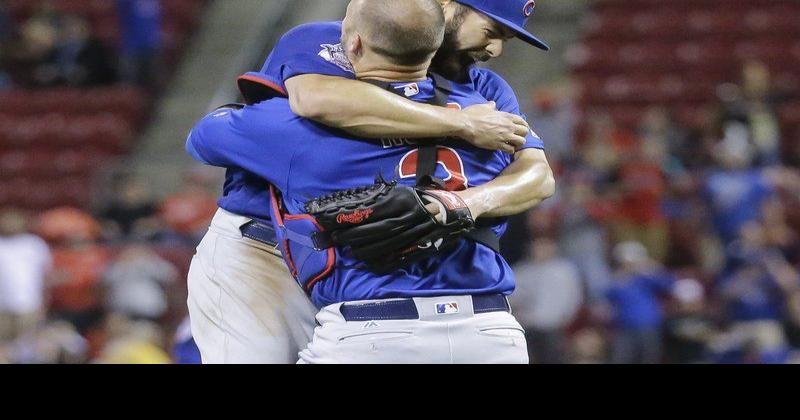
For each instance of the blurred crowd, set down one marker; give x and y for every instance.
(669, 242)
(51, 48)
(107, 287)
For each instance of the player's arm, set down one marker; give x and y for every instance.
(368, 111)
(521, 186)
(528, 180)
(225, 138)
(320, 87)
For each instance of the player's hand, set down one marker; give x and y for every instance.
(490, 129)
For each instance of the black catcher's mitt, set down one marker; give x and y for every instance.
(387, 225)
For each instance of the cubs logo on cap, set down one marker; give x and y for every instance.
(507, 13)
(529, 7)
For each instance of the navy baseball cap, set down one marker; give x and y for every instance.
(513, 14)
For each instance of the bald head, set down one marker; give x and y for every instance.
(405, 32)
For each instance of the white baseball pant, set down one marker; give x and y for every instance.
(454, 338)
(244, 305)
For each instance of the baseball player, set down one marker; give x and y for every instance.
(244, 305)
(444, 299)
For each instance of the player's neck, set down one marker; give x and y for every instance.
(393, 76)
(389, 72)
(451, 67)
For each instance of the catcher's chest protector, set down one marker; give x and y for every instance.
(308, 259)
(306, 250)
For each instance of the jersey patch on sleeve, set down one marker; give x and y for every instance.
(334, 54)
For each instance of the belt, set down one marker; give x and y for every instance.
(407, 309)
(261, 232)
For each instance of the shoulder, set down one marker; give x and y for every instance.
(484, 78)
(494, 88)
(313, 32)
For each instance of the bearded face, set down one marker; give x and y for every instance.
(470, 37)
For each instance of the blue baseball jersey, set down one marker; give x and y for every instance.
(305, 160)
(315, 48)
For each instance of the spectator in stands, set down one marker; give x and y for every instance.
(30, 60)
(132, 342)
(553, 116)
(582, 236)
(639, 189)
(184, 349)
(751, 111)
(131, 211)
(188, 212)
(778, 233)
(25, 261)
(55, 342)
(136, 284)
(547, 299)
(636, 311)
(588, 346)
(754, 290)
(663, 141)
(80, 58)
(141, 40)
(58, 225)
(604, 145)
(734, 191)
(79, 263)
(688, 331)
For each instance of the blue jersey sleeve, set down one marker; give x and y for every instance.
(494, 88)
(313, 48)
(246, 139)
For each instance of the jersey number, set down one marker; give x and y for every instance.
(448, 158)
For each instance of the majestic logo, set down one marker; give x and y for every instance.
(354, 218)
(409, 90)
(529, 7)
(447, 308)
(334, 54)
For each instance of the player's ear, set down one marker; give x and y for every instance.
(355, 47)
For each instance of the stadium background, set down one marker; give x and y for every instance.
(673, 127)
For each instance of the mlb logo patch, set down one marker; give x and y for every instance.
(410, 89)
(447, 308)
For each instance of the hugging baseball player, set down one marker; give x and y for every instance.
(404, 268)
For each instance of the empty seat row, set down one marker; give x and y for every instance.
(181, 11)
(103, 130)
(660, 26)
(45, 193)
(128, 104)
(46, 163)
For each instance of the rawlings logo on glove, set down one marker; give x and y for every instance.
(354, 218)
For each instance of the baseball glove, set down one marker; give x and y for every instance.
(387, 225)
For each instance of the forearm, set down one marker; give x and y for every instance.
(368, 111)
(521, 186)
